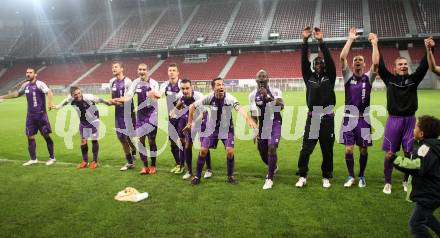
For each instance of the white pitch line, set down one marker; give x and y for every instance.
(4, 160)
(293, 176)
(44, 162)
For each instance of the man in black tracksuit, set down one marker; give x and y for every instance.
(424, 170)
(321, 100)
(402, 104)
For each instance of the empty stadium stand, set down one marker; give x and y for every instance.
(131, 33)
(64, 73)
(65, 40)
(216, 13)
(99, 32)
(104, 72)
(426, 15)
(168, 27)
(289, 25)
(14, 72)
(277, 64)
(8, 37)
(388, 18)
(249, 23)
(194, 71)
(416, 54)
(174, 25)
(34, 39)
(338, 16)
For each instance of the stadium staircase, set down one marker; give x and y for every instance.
(426, 16)
(84, 33)
(366, 17)
(228, 66)
(318, 10)
(412, 27)
(217, 13)
(55, 40)
(185, 26)
(78, 80)
(116, 31)
(269, 21)
(156, 66)
(231, 21)
(147, 33)
(249, 24)
(3, 71)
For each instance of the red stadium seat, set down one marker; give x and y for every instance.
(278, 65)
(64, 74)
(103, 73)
(14, 72)
(194, 71)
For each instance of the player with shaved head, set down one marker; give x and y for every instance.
(321, 100)
(356, 127)
(401, 105)
(266, 104)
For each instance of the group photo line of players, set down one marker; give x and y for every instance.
(190, 113)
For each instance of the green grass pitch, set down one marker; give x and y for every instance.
(61, 201)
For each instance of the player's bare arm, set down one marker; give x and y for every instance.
(251, 123)
(344, 53)
(372, 38)
(50, 100)
(179, 106)
(11, 95)
(429, 44)
(192, 109)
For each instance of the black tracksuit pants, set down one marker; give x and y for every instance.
(324, 132)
